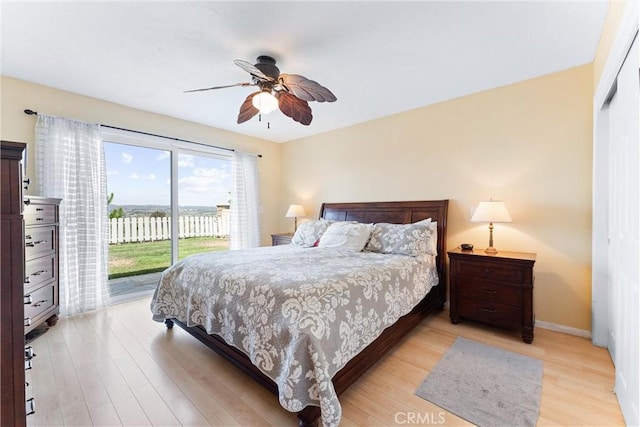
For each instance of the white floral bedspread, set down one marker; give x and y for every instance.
(300, 314)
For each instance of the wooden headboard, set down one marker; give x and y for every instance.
(396, 213)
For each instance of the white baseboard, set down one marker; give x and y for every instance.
(564, 329)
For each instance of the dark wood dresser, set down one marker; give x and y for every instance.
(41, 286)
(496, 289)
(12, 344)
(281, 239)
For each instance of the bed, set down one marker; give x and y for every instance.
(263, 319)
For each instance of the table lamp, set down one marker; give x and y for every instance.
(295, 212)
(491, 211)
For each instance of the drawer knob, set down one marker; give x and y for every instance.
(39, 303)
(489, 310)
(27, 183)
(27, 202)
(27, 321)
(488, 291)
(27, 299)
(27, 280)
(33, 244)
(39, 272)
(27, 365)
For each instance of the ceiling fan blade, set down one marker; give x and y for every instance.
(247, 110)
(253, 70)
(306, 89)
(294, 107)
(219, 87)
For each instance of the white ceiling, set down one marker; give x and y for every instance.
(378, 58)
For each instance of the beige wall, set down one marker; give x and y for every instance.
(18, 95)
(528, 144)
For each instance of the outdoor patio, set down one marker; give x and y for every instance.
(131, 287)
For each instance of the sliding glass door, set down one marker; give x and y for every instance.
(167, 201)
(204, 189)
(139, 202)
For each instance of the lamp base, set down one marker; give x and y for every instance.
(491, 250)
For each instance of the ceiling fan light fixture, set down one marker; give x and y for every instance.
(265, 102)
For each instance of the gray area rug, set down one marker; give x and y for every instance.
(485, 385)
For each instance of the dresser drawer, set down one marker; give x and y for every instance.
(492, 271)
(38, 214)
(489, 291)
(490, 312)
(39, 301)
(39, 270)
(39, 241)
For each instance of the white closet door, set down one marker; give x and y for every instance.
(624, 235)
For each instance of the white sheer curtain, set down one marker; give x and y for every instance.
(71, 167)
(245, 221)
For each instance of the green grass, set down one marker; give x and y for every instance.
(131, 259)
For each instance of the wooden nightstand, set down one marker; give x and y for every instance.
(281, 239)
(495, 289)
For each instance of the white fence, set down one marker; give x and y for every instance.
(148, 229)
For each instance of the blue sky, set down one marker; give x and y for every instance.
(141, 176)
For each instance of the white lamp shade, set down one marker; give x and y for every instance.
(295, 211)
(493, 211)
(265, 102)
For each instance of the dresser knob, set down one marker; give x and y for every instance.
(27, 299)
(28, 353)
(27, 321)
(27, 202)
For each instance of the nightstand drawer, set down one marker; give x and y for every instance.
(490, 291)
(281, 239)
(490, 271)
(489, 312)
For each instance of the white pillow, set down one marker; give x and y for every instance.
(308, 234)
(349, 235)
(432, 241)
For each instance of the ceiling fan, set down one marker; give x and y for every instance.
(289, 92)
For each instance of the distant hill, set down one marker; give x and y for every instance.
(146, 210)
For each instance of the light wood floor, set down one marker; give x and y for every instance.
(118, 367)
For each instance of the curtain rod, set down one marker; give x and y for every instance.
(35, 113)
